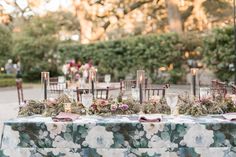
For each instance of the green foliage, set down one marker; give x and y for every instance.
(218, 8)
(36, 47)
(6, 82)
(5, 44)
(125, 56)
(3, 75)
(219, 52)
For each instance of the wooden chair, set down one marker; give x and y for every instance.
(218, 88)
(149, 92)
(79, 92)
(99, 93)
(19, 91)
(55, 87)
(233, 88)
(129, 84)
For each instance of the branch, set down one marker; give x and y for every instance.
(185, 14)
(126, 11)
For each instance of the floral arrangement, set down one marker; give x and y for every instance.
(74, 70)
(186, 105)
(111, 107)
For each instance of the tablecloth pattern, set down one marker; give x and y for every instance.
(95, 136)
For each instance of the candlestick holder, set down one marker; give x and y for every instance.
(92, 78)
(140, 82)
(194, 79)
(45, 82)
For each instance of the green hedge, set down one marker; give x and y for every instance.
(6, 82)
(3, 75)
(125, 56)
(219, 52)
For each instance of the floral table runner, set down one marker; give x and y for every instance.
(119, 136)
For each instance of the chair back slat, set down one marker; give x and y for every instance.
(79, 93)
(55, 87)
(127, 85)
(153, 91)
(99, 93)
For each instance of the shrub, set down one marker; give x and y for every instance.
(3, 75)
(7, 82)
(125, 56)
(219, 52)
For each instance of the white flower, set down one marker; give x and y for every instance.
(16, 152)
(198, 136)
(157, 142)
(43, 134)
(152, 128)
(98, 137)
(60, 142)
(11, 138)
(55, 129)
(216, 152)
(111, 152)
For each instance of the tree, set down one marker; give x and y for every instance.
(219, 53)
(5, 44)
(36, 46)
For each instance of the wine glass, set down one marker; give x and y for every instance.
(87, 101)
(107, 79)
(135, 93)
(172, 100)
(204, 92)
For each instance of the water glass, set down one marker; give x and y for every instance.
(87, 101)
(205, 92)
(172, 100)
(107, 78)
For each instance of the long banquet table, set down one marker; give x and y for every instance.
(119, 136)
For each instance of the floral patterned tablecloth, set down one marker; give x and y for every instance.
(121, 136)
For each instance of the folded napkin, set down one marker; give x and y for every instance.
(150, 118)
(65, 117)
(230, 116)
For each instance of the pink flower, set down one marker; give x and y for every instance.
(123, 107)
(113, 107)
(77, 76)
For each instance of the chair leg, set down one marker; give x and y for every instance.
(18, 94)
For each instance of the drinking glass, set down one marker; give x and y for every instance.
(107, 79)
(70, 93)
(204, 92)
(135, 93)
(172, 100)
(87, 101)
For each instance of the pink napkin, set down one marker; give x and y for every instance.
(230, 116)
(65, 117)
(150, 118)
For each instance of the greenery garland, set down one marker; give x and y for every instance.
(186, 105)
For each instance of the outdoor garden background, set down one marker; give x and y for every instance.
(120, 36)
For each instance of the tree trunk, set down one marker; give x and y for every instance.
(174, 18)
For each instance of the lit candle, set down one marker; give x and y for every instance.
(92, 77)
(140, 89)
